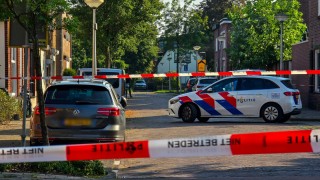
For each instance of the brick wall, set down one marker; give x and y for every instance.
(7, 56)
(300, 61)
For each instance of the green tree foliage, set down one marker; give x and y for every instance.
(215, 10)
(9, 106)
(33, 15)
(73, 168)
(126, 32)
(69, 72)
(255, 38)
(183, 26)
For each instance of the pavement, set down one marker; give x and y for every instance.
(307, 115)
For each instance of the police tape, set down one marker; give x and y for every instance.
(297, 141)
(172, 74)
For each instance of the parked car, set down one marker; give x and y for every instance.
(117, 83)
(140, 84)
(81, 111)
(270, 97)
(203, 82)
(190, 84)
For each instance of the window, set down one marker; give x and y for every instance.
(226, 85)
(288, 84)
(79, 94)
(256, 84)
(317, 67)
(318, 7)
(13, 55)
(113, 81)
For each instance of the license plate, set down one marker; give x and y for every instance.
(77, 122)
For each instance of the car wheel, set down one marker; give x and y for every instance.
(271, 113)
(203, 119)
(285, 118)
(189, 113)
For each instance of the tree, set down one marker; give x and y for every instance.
(255, 32)
(126, 28)
(37, 14)
(182, 28)
(214, 10)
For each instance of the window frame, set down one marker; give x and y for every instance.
(316, 67)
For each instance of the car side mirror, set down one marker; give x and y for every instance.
(123, 101)
(210, 90)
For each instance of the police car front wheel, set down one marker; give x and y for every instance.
(189, 113)
(271, 113)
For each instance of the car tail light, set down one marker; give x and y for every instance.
(109, 111)
(47, 110)
(199, 86)
(291, 93)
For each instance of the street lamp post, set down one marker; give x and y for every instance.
(281, 17)
(196, 48)
(94, 4)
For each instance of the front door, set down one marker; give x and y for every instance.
(224, 98)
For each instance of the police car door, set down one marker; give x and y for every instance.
(251, 95)
(224, 94)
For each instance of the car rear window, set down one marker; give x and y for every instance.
(78, 94)
(207, 81)
(288, 84)
(140, 81)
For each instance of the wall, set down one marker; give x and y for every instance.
(300, 61)
(2, 54)
(166, 66)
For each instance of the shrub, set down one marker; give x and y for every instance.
(73, 168)
(9, 106)
(69, 72)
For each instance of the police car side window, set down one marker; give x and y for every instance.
(251, 84)
(269, 84)
(226, 85)
(256, 84)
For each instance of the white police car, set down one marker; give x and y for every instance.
(270, 97)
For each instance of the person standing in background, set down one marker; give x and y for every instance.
(128, 87)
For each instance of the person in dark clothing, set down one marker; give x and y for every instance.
(128, 87)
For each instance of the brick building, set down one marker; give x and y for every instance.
(55, 57)
(306, 55)
(222, 42)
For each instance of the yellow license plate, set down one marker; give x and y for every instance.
(77, 122)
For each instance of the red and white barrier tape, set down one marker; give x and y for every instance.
(195, 74)
(299, 141)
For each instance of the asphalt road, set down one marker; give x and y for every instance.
(147, 119)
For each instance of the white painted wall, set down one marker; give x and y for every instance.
(2, 56)
(167, 65)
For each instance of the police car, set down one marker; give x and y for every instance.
(270, 97)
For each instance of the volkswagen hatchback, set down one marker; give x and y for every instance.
(272, 98)
(80, 111)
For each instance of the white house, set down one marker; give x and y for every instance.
(188, 63)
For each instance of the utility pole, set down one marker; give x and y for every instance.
(177, 82)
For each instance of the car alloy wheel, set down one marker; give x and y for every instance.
(188, 113)
(271, 113)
